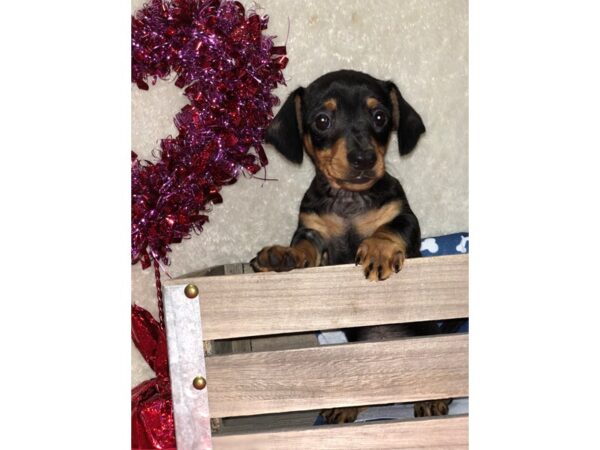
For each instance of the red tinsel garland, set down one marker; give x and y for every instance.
(227, 69)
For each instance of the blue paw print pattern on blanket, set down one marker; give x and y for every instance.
(449, 244)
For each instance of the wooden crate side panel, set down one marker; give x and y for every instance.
(356, 374)
(445, 433)
(331, 297)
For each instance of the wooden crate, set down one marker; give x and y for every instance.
(245, 383)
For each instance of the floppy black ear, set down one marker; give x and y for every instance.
(285, 130)
(407, 121)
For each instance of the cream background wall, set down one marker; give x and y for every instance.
(422, 45)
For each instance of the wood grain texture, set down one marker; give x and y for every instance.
(443, 433)
(363, 373)
(285, 342)
(330, 297)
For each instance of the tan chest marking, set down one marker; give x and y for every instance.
(366, 224)
(327, 225)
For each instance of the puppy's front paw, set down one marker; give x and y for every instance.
(278, 259)
(380, 257)
(432, 408)
(341, 415)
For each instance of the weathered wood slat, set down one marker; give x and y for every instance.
(330, 297)
(444, 433)
(402, 370)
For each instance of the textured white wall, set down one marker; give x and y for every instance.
(422, 45)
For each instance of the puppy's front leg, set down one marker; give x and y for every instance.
(306, 250)
(384, 252)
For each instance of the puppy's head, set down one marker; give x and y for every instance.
(344, 121)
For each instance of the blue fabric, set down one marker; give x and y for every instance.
(464, 328)
(449, 244)
(320, 420)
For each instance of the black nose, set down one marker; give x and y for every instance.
(362, 160)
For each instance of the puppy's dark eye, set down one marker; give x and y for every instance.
(379, 118)
(322, 122)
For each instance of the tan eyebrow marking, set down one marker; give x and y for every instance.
(330, 104)
(372, 102)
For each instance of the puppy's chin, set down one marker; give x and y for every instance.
(356, 187)
(358, 182)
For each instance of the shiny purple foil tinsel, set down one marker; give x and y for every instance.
(227, 69)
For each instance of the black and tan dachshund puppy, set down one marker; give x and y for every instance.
(353, 211)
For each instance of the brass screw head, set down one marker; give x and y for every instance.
(199, 383)
(191, 291)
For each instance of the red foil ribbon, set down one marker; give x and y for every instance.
(152, 422)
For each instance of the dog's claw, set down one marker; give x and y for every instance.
(380, 258)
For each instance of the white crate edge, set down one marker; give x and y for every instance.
(186, 361)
